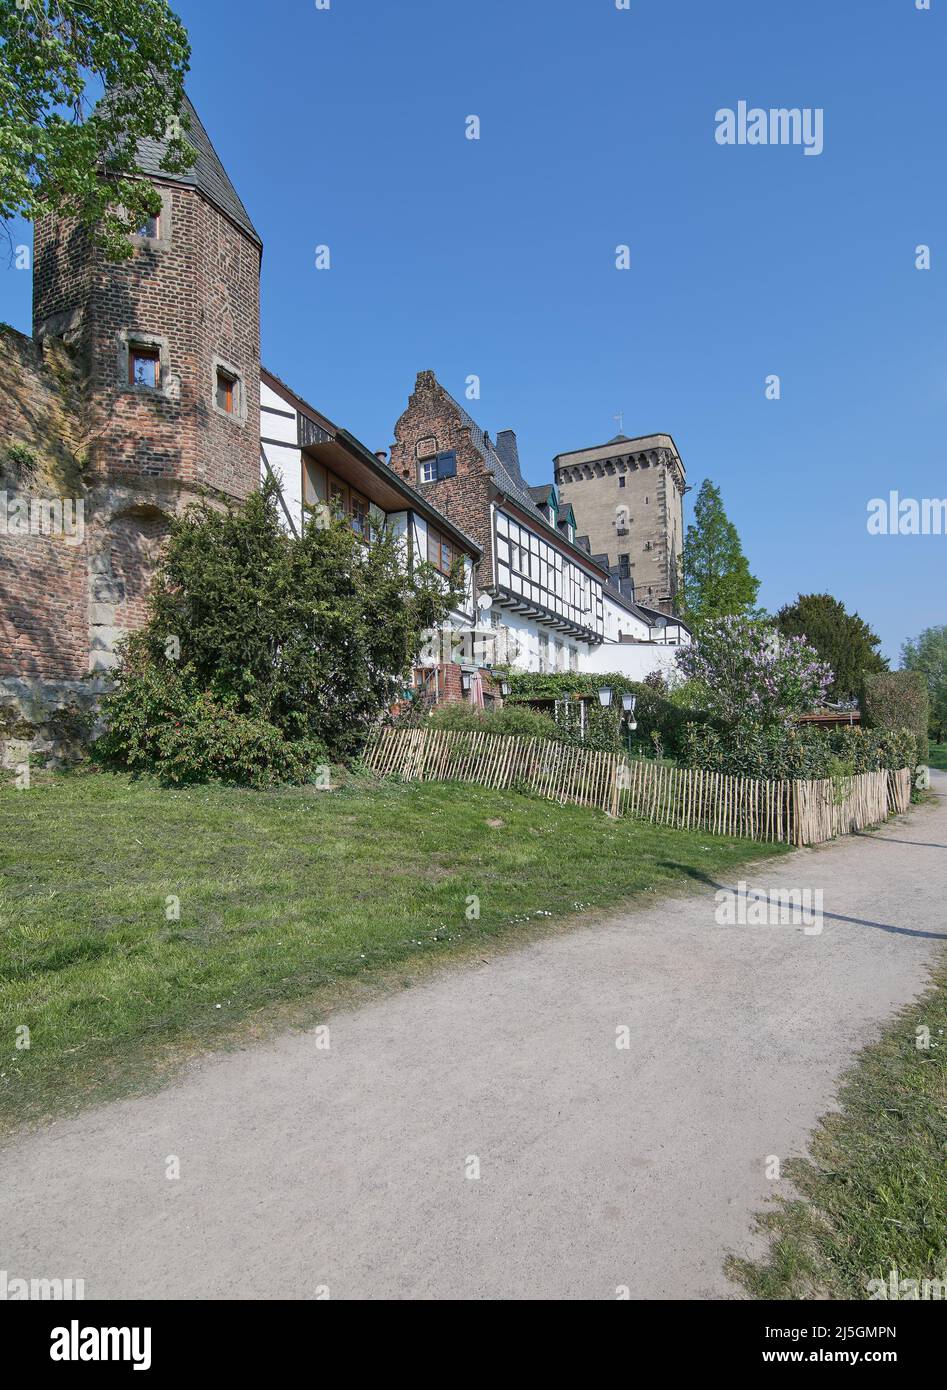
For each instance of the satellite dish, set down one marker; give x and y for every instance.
(484, 602)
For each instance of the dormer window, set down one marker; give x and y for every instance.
(144, 365)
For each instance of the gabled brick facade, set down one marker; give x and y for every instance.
(433, 419)
(545, 593)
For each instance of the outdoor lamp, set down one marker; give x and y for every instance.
(628, 702)
(504, 688)
(465, 682)
(605, 696)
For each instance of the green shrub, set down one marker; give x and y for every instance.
(896, 700)
(158, 723)
(802, 750)
(657, 714)
(601, 731)
(22, 461)
(510, 720)
(276, 644)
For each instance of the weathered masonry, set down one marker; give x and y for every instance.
(138, 394)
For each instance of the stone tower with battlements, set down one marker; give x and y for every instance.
(627, 496)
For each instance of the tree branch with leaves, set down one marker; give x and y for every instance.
(63, 149)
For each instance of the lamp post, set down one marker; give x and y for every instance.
(628, 702)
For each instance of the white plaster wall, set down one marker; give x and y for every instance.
(284, 459)
(631, 659)
(619, 620)
(276, 426)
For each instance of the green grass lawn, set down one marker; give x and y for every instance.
(938, 756)
(874, 1197)
(285, 898)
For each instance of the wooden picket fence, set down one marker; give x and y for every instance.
(545, 767)
(828, 807)
(801, 812)
(899, 791)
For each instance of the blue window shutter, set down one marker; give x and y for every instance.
(447, 465)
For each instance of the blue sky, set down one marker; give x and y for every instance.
(496, 257)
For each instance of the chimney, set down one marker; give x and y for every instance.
(508, 451)
(381, 455)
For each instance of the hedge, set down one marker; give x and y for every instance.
(658, 717)
(899, 700)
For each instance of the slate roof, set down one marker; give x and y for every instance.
(651, 617)
(208, 175)
(659, 619)
(505, 470)
(502, 460)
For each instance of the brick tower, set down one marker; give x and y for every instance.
(165, 356)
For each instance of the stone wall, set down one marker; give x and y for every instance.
(43, 620)
(44, 630)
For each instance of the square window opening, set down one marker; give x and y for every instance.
(226, 393)
(144, 366)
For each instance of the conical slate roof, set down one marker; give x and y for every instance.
(208, 175)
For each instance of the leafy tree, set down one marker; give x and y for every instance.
(842, 639)
(896, 700)
(716, 575)
(62, 152)
(752, 677)
(928, 654)
(309, 639)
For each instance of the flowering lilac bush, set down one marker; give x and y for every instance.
(751, 676)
